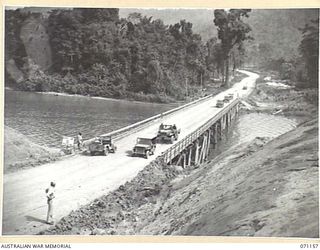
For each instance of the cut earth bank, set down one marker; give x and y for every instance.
(259, 188)
(20, 152)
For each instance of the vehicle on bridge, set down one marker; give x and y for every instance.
(102, 145)
(228, 97)
(168, 133)
(220, 104)
(144, 147)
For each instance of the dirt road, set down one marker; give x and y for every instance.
(81, 179)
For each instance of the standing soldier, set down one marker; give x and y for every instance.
(79, 140)
(50, 196)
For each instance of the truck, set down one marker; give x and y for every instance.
(228, 97)
(168, 133)
(67, 145)
(102, 145)
(144, 147)
(220, 104)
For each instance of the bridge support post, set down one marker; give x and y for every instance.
(189, 156)
(208, 143)
(203, 148)
(196, 158)
(220, 130)
(184, 160)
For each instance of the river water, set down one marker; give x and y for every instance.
(46, 118)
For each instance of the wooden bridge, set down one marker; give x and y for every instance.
(195, 147)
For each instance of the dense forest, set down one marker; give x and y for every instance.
(98, 53)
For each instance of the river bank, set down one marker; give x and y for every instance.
(263, 187)
(21, 153)
(273, 97)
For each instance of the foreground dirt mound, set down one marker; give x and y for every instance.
(20, 152)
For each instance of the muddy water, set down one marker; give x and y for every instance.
(46, 118)
(249, 126)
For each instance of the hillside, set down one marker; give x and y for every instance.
(160, 55)
(202, 19)
(277, 29)
(276, 33)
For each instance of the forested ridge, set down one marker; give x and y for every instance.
(98, 53)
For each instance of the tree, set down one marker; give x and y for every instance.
(232, 31)
(309, 49)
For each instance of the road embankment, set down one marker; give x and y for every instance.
(261, 187)
(20, 152)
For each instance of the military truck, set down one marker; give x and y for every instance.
(220, 104)
(168, 133)
(228, 97)
(102, 145)
(144, 147)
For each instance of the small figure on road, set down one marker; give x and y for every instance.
(79, 140)
(50, 192)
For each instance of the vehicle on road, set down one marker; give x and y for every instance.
(228, 97)
(220, 104)
(67, 145)
(144, 147)
(168, 133)
(245, 87)
(102, 145)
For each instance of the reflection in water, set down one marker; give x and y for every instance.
(45, 118)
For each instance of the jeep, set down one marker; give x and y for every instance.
(144, 147)
(168, 133)
(219, 104)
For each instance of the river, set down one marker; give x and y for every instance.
(46, 118)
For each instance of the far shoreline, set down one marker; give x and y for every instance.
(51, 93)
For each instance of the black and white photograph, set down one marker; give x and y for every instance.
(160, 122)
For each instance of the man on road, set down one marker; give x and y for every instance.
(50, 196)
(79, 140)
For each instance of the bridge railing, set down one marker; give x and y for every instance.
(177, 148)
(122, 132)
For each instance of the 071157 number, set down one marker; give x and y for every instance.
(313, 246)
